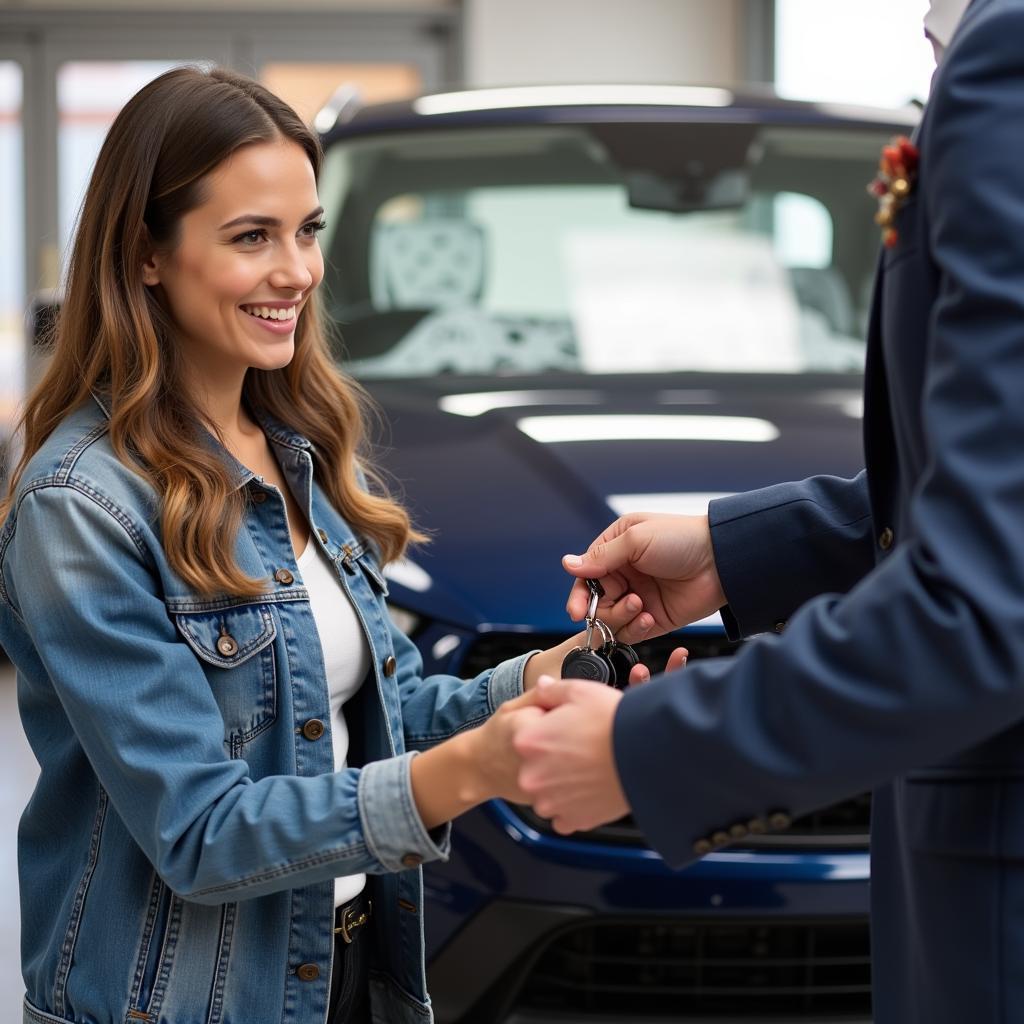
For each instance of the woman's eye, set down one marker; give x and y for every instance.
(314, 228)
(250, 237)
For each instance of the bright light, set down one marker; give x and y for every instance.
(683, 503)
(572, 95)
(560, 429)
(409, 574)
(872, 51)
(479, 402)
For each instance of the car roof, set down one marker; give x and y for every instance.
(585, 104)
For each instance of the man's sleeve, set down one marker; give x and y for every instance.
(778, 547)
(924, 658)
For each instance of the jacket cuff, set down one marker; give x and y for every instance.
(395, 833)
(506, 680)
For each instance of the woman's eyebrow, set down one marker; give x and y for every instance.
(266, 222)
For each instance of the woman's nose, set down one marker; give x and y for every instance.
(292, 270)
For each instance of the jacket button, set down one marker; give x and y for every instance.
(284, 576)
(780, 626)
(757, 826)
(412, 860)
(322, 534)
(701, 847)
(779, 821)
(885, 539)
(313, 729)
(308, 972)
(258, 497)
(227, 646)
(390, 665)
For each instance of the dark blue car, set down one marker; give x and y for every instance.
(572, 302)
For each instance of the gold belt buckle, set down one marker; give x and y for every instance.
(351, 920)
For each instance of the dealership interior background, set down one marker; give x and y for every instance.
(66, 67)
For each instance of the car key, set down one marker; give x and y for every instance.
(587, 662)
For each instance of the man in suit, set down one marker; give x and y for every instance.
(897, 597)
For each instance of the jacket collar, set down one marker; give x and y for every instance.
(277, 433)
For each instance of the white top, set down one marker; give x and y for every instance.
(941, 22)
(346, 662)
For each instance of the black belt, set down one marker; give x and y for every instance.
(351, 916)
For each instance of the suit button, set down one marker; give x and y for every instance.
(313, 729)
(757, 826)
(412, 860)
(308, 972)
(258, 496)
(390, 665)
(719, 839)
(227, 646)
(778, 821)
(885, 539)
(284, 576)
(780, 626)
(738, 831)
(701, 847)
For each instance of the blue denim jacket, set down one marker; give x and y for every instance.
(178, 854)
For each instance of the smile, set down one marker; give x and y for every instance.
(271, 312)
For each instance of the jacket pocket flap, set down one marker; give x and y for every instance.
(230, 636)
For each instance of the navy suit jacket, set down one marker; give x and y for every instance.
(900, 666)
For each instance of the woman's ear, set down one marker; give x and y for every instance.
(152, 263)
(150, 271)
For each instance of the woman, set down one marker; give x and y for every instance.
(241, 766)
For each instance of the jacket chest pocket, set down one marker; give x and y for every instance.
(236, 648)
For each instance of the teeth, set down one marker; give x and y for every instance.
(267, 313)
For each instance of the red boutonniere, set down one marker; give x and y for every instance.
(897, 175)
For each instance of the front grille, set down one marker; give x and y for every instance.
(840, 826)
(678, 970)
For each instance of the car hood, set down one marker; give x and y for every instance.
(500, 479)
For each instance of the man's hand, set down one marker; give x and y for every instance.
(568, 771)
(667, 561)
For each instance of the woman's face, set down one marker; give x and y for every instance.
(246, 262)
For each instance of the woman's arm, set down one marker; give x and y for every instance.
(83, 615)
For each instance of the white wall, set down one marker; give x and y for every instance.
(511, 42)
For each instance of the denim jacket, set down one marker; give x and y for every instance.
(178, 854)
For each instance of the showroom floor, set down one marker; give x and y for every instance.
(18, 771)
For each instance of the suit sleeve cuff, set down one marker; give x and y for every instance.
(395, 833)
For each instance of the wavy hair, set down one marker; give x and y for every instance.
(113, 336)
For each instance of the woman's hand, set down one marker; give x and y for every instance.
(494, 755)
(624, 616)
(472, 766)
(676, 660)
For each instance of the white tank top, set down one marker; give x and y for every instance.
(346, 661)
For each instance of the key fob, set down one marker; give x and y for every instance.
(584, 664)
(622, 658)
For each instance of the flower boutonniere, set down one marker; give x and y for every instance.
(897, 175)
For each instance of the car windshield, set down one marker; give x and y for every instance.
(610, 248)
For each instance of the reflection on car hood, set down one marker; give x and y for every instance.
(509, 480)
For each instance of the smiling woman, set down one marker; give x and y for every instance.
(192, 591)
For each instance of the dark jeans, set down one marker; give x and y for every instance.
(350, 989)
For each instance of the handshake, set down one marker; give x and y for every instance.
(552, 747)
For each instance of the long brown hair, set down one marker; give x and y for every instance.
(114, 336)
